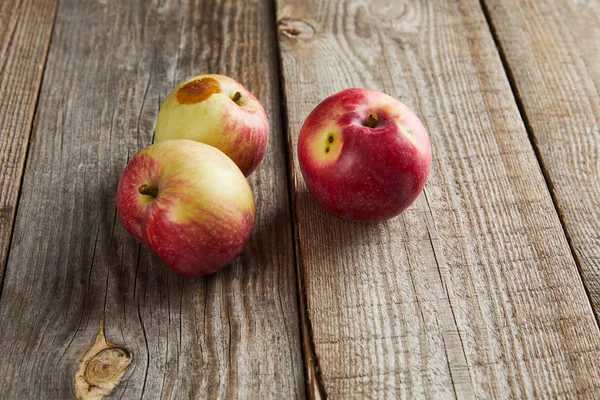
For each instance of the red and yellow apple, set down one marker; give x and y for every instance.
(364, 155)
(187, 202)
(216, 110)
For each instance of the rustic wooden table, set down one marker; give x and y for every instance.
(487, 287)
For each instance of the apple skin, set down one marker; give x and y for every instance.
(203, 109)
(203, 213)
(359, 173)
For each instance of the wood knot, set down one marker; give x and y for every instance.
(107, 366)
(101, 368)
(293, 28)
(388, 10)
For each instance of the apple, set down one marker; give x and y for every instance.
(216, 110)
(364, 155)
(187, 202)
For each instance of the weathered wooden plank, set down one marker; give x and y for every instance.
(72, 264)
(552, 49)
(25, 30)
(473, 291)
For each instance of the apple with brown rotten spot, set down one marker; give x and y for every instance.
(189, 203)
(364, 155)
(216, 110)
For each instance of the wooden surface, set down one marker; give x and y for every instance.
(552, 49)
(25, 29)
(473, 292)
(72, 264)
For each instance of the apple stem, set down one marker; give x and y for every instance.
(148, 190)
(372, 120)
(236, 97)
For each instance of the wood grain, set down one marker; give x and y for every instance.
(552, 49)
(473, 291)
(72, 265)
(25, 30)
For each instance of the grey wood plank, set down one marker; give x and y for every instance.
(472, 292)
(25, 30)
(552, 49)
(72, 264)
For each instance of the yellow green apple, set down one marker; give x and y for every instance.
(187, 202)
(216, 110)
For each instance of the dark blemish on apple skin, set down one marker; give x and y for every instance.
(330, 139)
(326, 149)
(198, 90)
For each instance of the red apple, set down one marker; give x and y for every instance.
(364, 155)
(216, 110)
(189, 203)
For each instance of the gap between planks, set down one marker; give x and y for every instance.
(315, 388)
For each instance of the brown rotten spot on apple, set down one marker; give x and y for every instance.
(329, 141)
(198, 90)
